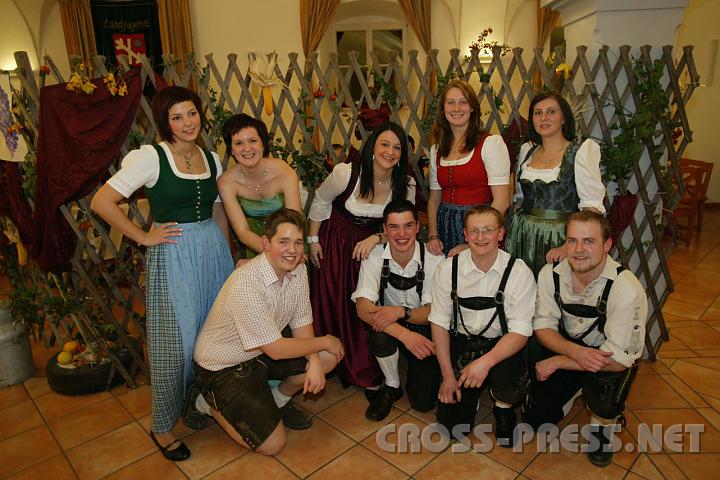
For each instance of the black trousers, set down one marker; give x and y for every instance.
(508, 380)
(605, 392)
(423, 376)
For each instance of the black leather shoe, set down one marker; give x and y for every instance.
(381, 405)
(191, 416)
(602, 455)
(371, 393)
(505, 422)
(294, 418)
(177, 454)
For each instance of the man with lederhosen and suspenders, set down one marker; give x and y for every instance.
(482, 306)
(393, 297)
(590, 326)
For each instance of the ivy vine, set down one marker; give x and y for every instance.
(637, 130)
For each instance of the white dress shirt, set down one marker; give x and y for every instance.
(368, 285)
(520, 293)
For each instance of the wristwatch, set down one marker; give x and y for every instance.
(408, 313)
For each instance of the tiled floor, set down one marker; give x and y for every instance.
(45, 435)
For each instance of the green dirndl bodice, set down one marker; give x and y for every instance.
(539, 223)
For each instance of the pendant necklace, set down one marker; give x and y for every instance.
(244, 180)
(187, 157)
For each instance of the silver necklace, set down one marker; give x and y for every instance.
(244, 180)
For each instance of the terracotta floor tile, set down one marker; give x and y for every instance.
(55, 468)
(683, 309)
(699, 466)
(408, 462)
(697, 337)
(712, 363)
(138, 401)
(712, 401)
(651, 391)
(358, 459)
(90, 422)
(708, 353)
(26, 449)
(570, 465)
(333, 393)
(211, 449)
(711, 416)
(53, 405)
(464, 465)
(429, 416)
(152, 467)
(684, 322)
(348, 416)
(678, 354)
(253, 466)
(664, 463)
(690, 294)
(673, 344)
(9, 396)
(37, 386)
(516, 458)
(685, 391)
(701, 379)
(19, 418)
(110, 452)
(644, 467)
(709, 439)
(668, 362)
(324, 441)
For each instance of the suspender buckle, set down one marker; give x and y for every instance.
(499, 297)
(420, 276)
(385, 272)
(602, 307)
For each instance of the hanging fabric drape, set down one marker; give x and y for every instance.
(546, 21)
(78, 28)
(417, 14)
(315, 17)
(175, 31)
(80, 136)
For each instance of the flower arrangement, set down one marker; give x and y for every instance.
(80, 81)
(484, 47)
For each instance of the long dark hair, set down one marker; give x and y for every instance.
(568, 128)
(442, 132)
(398, 179)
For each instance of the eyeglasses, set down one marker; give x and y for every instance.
(474, 232)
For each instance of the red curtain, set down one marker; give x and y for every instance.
(80, 136)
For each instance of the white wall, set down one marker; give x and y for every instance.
(700, 28)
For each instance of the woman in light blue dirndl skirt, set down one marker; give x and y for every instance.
(188, 258)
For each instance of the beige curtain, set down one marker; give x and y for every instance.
(175, 32)
(315, 17)
(78, 29)
(546, 21)
(417, 14)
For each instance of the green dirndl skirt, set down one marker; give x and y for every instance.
(533, 234)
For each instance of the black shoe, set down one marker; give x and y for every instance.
(371, 393)
(177, 454)
(602, 455)
(294, 418)
(381, 405)
(505, 422)
(191, 416)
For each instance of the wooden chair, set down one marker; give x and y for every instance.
(696, 178)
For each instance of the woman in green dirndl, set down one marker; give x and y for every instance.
(557, 174)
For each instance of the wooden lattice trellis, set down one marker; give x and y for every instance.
(306, 115)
